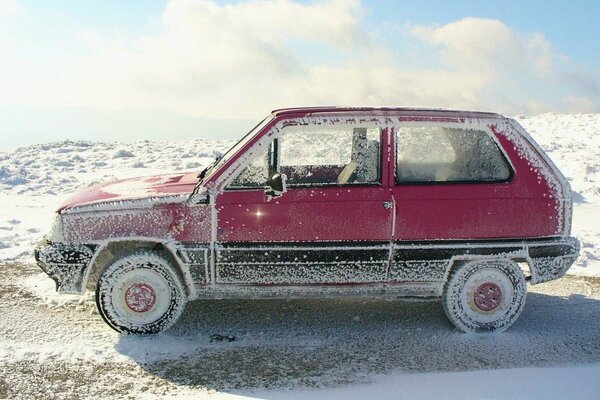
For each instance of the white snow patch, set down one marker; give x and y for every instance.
(572, 141)
(35, 180)
(123, 154)
(514, 384)
(42, 287)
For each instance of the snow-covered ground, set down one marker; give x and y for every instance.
(52, 345)
(34, 180)
(57, 347)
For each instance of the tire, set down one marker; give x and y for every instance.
(140, 293)
(485, 295)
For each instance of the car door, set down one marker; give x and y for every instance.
(332, 225)
(451, 186)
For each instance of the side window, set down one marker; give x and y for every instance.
(329, 155)
(437, 154)
(255, 175)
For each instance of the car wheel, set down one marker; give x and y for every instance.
(140, 293)
(485, 295)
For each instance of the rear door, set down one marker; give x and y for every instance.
(333, 225)
(451, 182)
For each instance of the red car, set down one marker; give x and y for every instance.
(319, 202)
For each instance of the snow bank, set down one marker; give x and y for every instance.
(573, 142)
(35, 179)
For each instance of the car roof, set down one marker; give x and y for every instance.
(385, 111)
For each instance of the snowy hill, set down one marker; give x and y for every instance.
(34, 179)
(573, 142)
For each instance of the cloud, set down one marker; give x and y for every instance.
(10, 7)
(9, 11)
(210, 58)
(517, 72)
(242, 60)
(91, 37)
(489, 46)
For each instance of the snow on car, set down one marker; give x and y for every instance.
(319, 202)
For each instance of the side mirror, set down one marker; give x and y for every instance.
(275, 186)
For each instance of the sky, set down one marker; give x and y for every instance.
(177, 69)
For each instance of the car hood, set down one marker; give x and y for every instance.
(134, 189)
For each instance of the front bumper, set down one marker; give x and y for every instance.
(67, 264)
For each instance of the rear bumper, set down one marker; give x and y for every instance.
(551, 259)
(66, 264)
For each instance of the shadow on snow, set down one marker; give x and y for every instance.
(250, 344)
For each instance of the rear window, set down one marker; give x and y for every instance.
(441, 154)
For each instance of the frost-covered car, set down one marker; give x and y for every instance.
(320, 202)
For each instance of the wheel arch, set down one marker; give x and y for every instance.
(114, 249)
(520, 258)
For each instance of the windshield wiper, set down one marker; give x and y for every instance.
(203, 173)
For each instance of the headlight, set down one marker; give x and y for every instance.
(56, 231)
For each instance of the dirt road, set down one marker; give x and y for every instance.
(61, 349)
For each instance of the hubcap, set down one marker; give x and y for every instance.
(140, 297)
(487, 296)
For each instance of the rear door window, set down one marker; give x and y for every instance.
(442, 154)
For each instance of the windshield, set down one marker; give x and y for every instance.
(220, 161)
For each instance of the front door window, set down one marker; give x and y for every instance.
(255, 174)
(329, 155)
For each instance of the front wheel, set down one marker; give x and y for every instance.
(140, 293)
(485, 295)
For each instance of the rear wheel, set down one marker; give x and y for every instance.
(485, 295)
(140, 293)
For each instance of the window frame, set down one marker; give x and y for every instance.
(491, 135)
(271, 159)
(379, 182)
(274, 162)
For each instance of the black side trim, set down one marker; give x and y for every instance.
(63, 253)
(196, 257)
(308, 255)
(430, 261)
(445, 253)
(308, 263)
(299, 264)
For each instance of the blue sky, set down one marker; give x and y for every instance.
(108, 70)
(571, 26)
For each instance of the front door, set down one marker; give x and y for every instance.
(332, 225)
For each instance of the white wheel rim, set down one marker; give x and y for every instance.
(141, 296)
(487, 295)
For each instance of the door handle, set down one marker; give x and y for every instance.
(387, 205)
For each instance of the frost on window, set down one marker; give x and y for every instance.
(334, 155)
(437, 154)
(255, 175)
